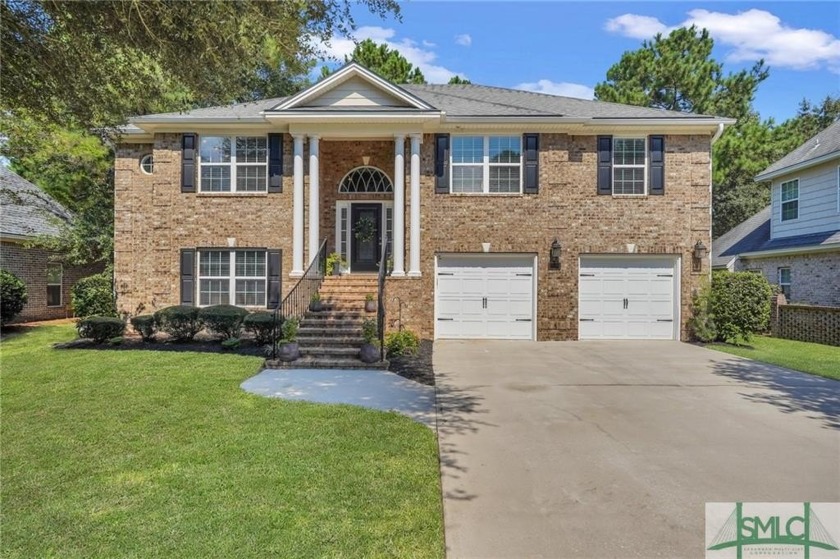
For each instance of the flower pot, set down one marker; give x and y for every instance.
(288, 351)
(316, 306)
(370, 306)
(369, 353)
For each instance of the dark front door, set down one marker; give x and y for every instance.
(366, 237)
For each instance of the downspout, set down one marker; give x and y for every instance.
(715, 138)
(718, 133)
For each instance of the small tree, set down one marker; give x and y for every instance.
(12, 296)
(740, 304)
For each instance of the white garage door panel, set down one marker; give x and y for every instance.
(485, 297)
(646, 284)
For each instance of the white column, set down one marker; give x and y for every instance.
(414, 239)
(314, 199)
(297, 212)
(399, 206)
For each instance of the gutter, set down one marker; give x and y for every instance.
(791, 251)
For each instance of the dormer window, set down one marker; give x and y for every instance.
(790, 200)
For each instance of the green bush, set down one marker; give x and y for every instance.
(261, 325)
(225, 320)
(740, 305)
(369, 331)
(231, 343)
(144, 325)
(100, 328)
(12, 296)
(404, 342)
(289, 330)
(702, 322)
(181, 322)
(94, 296)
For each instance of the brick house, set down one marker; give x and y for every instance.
(27, 214)
(795, 241)
(512, 214)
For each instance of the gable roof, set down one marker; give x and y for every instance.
(752, 236)
(27, 211)
(822, 147)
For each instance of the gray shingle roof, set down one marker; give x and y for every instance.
(824, 143)
(236, 110)
(25, 209)
(753, 235)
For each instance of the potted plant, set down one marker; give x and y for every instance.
(370, 349)
(370, 304)
(335, 264)
(315, 303)
(289, 349)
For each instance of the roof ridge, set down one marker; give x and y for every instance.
(488, 102)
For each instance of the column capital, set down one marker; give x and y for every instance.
(314, 137)
(399, 137)
(416, 136)
(298, 137)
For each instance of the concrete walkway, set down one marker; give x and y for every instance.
(612, 449)
(379, 390)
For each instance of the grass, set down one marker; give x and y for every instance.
(160, 454)
(817, 359)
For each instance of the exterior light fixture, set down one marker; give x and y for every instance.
(554, 255)
(700, 250)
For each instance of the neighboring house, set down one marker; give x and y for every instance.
(26, 213)
(795, 241)
(230, 204)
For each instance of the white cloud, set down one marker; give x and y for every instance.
(750, 35)
(419, 54)
(559, 88)
(464, 40)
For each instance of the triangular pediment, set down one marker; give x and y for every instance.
(353, 87)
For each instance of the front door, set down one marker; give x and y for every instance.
(366, 237)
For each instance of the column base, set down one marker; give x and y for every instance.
(398, 274)
(414, 274)
(296, 274)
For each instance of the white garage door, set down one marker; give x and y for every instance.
(629, 297)
(485, 296)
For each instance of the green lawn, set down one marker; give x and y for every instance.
(817, 359)
(161, 454)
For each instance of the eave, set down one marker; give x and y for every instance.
(798, 166)
(829, 247)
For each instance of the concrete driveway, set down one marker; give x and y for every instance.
(612, 449)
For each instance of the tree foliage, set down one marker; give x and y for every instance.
(383, 60)
(458, 80)
(103, 61)
(740, 305)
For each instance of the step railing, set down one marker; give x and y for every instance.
(297, 301)
(380, 304)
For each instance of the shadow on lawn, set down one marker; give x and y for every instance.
(790, 391)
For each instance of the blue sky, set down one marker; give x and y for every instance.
(566, 47)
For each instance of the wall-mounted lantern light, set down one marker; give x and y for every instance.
(700, 250)
(554, 255)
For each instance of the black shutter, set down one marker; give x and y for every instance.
(275, 162)
(273, 277)
(605, 165)
(532, 163)
(188, 163)
(657, 165)
(188, 277)
(442, 163)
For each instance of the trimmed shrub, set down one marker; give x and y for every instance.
(100, 328)
(225, 320)
(13, 296)
(404, 342)
(261, 325)
(369, 331)
(289, 330)
(740, 305)
(94, 296)
(144, 325)
(181, 322)
(702, 322)
(231, 343)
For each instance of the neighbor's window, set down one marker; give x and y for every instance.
(55, 274)
(147, 164)
(629, 165)
(233, 164)
(790, 200)
(486, 164)
(784, 282)
(232, 277)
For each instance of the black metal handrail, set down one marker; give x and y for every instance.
(297, 301)
(380, 307)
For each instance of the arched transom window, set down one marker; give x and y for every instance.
(365, 179)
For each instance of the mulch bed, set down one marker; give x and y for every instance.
(416, 367)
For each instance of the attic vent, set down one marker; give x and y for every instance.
(365, 179)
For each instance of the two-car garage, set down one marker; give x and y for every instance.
(493, 296)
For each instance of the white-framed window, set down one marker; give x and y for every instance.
(55, 275)
(147, 164)
(790, 200)
(232, 277)
(486, 164)
(784, 281)
(233, 164)
(629, 166)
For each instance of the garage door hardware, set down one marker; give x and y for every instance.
(525, 275)
(664, 320)
(446, 319)
(587, 275)
(523, 320)
(587, 320)
(484, 302)
(446, 273)
(626, 303)
(664, 275)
